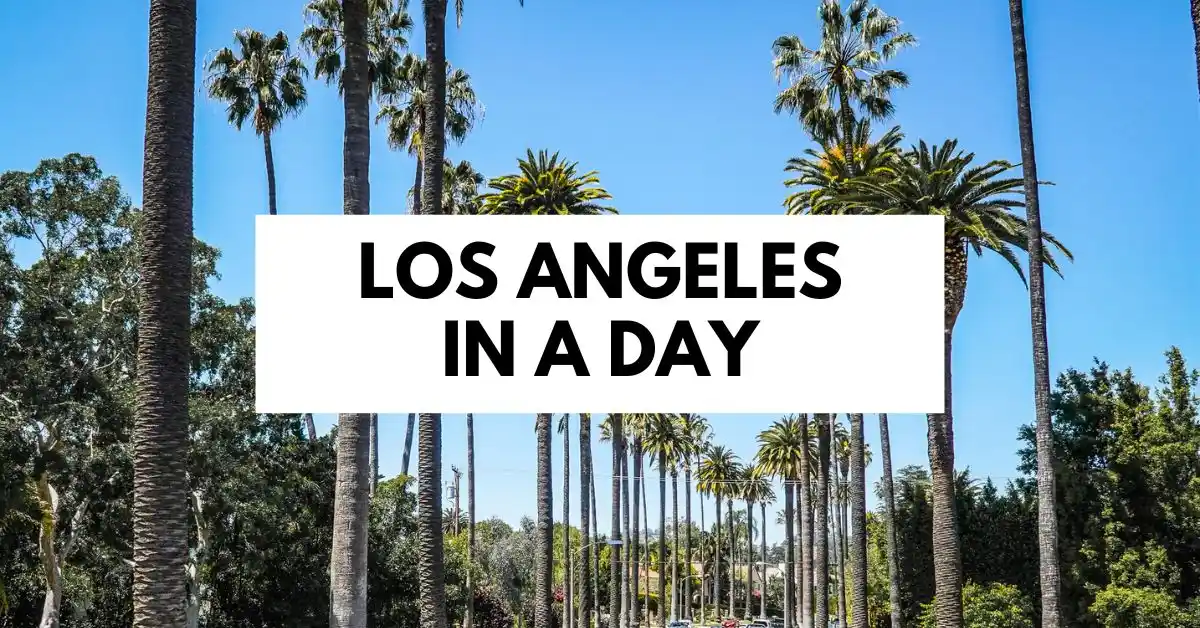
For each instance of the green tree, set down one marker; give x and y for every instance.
(977, 202)
(404, 106)
(385, 35)
(546, 185)
(782, 453)
(263, 80)
(844, 72)
(160, 431)
(993, 605)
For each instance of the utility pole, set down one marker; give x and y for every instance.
(455, 491)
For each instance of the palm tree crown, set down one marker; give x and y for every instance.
(262, 79)
(823, 174)
(388, 24)
(406, 97)
(847, 67)
(546, 185)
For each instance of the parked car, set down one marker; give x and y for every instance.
(730, 623)
(759, 623)
(679, 623)
(775, 622)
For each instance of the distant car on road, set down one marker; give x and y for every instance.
(730, 623)
(759, 623)
(775, 622)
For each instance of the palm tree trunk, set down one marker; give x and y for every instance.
(749, 560)
(627, 567)
(789, 554)
(596, 549)
(820, 593)
(858, 524)
(408, 438)
(762, 598)
(732, 559)
(662, 539)
(847, 118)
(569, 598)
(614, 567)
(704, 571)
(585, 529)
(544, 569)
(675, 613)
(641, 482)
(1195, 32)
(889, 511)
(160, 431)
(687, 539)
(717, 560)
(635, 547)
(430, 538)
(470, 618)
(1047, 518)
(310, 426)
(416, 208)
(433, 138)
(806, 534)
(348, 569)
(270, 173)
(374, 455)
(839, 549)
(947, 557)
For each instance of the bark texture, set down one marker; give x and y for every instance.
(430, 539)
(544, 569)
(160, 431)
(858, 525)
(889, 511)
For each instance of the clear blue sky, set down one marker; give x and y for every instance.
(672, 104)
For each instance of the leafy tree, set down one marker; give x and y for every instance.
(546, 186)
(993, 605)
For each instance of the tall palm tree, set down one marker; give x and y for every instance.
(544, 564)
(715, 477)
(262, 79)
(614, 574)
(889, 511)
(858, 524)
(782, 451)
(692, 432)
(629, 565)
(1047, 518)
(804, 488)
(386, 34)
(160, 430)
(470, 619)
(838, 488)
(844, 72)
(733, 491)
(661, 441)
(348, 569)
(820, 594)
(585, 482)
(564, 428)
(752, 485)
(405, 102)
(977, 202)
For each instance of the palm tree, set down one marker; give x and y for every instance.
(978, 206)
(544, 565)
(460, 192)
(766, 496)
(822, 174)
(264, 80)
(348, 571)
(160, 431)
(470, 619)
(782, 451)
(405, 103)
(840, 441)
(889, 510)
(614, 574)
(858, 524)
(820, 594)
(733, 491)
(546, 185)
(1047, 518)
(754, 484)
(564, 428)
(629, 566)
(804, 488)
(661, 441)
(844, 72)
(585, 482)
(715, 477)
(374, 454)
(386, 33)
(693, 430)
